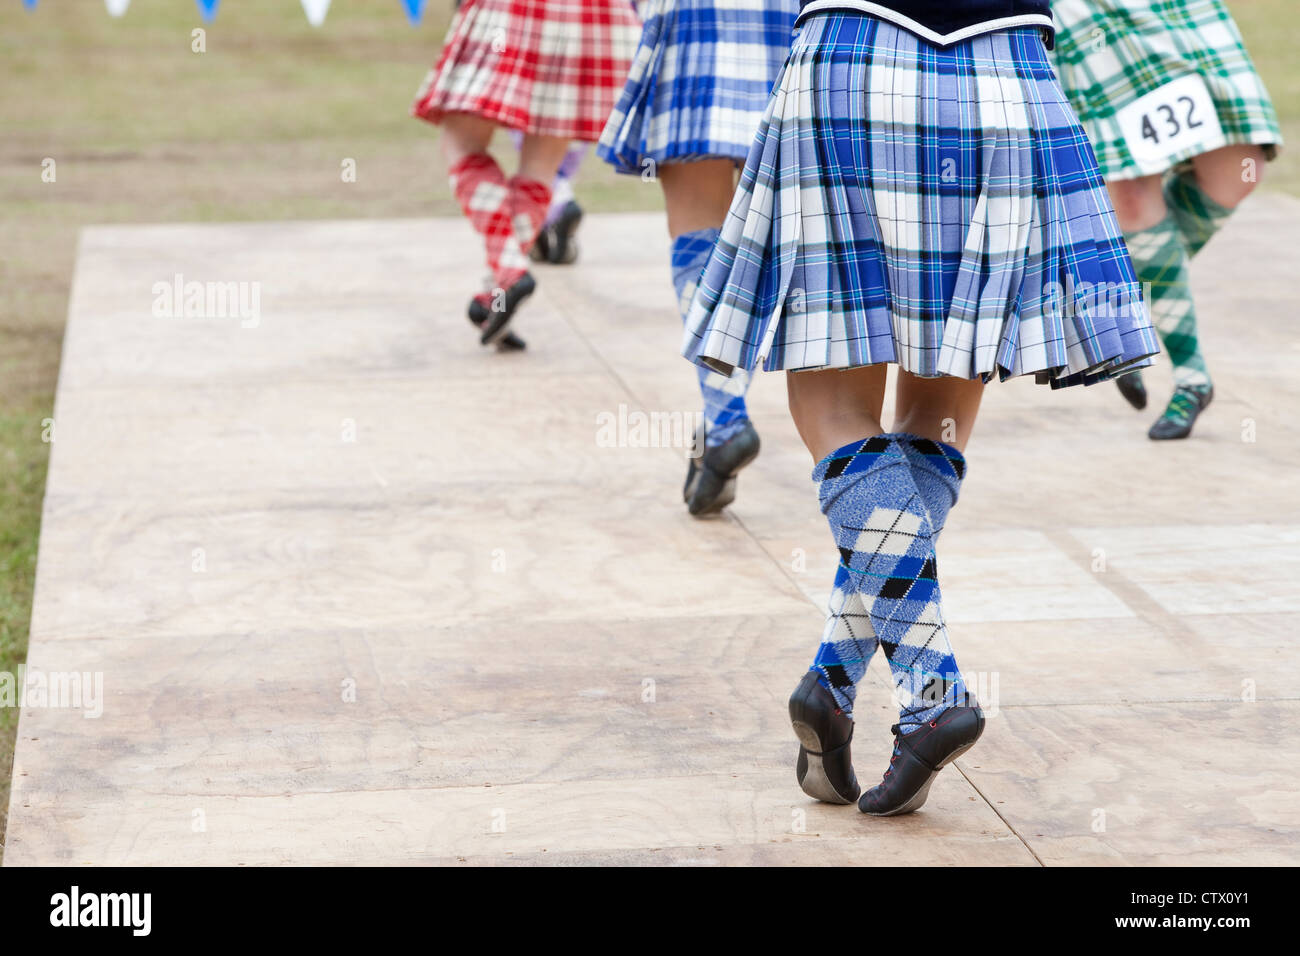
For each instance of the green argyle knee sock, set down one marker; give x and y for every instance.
(1160, 261)
(1198, 216)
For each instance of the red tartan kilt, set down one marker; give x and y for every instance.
(548, 67)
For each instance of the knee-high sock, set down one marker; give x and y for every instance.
(1198, 216)
(484, 196)
(562, 188)
(1160, 262)
(938, 470)
(725, 413)
(528, 202)
(886, 543)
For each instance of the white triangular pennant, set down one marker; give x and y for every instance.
(117, 7)
(316, 10)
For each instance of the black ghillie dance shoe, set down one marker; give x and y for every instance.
(557, 243)
(711, 477)
(825, 766)
(919, 756)
(494, 323)
(1133, 389)
(1181, 412)
(478, 313)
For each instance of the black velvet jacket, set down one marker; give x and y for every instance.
(945, 22)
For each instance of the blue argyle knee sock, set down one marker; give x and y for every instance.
(882, 528)
(848, 641)
(938, 470)
(725, 413)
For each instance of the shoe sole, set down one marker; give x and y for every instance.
(814, 781)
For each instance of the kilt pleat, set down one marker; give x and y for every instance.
(936, 208)
(546, 67)
(699, 81)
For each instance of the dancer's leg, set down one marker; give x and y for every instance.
(1203, 197)
(540, 157)
(1160, 259)
(940, 409)
(483, 193)
(831, 409)
(837, 415)
(870, 491)
(464, 134)
(697, 196)
(562, 187)
(933, 439)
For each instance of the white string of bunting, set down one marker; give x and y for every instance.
(316, 10)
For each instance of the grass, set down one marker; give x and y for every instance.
(143, 129)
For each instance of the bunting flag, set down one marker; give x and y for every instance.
(414, 10)
(315, 10)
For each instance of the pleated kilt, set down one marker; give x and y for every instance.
(547, 67)
(1113, 54)
(936, 208)
(699, 81)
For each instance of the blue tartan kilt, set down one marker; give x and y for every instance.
(699, 81)
(939, 208)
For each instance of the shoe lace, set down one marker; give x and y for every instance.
(906, 718)
(1184, 404)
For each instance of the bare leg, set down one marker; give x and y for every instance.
(540, 157)
(697, 195)
(1230, 174)
(464, 134)
(1139, 203)
(834, 407)
(941, 409)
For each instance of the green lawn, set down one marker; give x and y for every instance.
(142, 129)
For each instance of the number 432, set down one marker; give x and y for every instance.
(1170, 117)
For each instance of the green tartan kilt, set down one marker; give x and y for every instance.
(1112, 54)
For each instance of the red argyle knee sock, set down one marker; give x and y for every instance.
(484, 196)
(529, 202)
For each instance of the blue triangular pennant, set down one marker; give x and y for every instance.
(414, 10)
(208, 8)
(30, 4)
